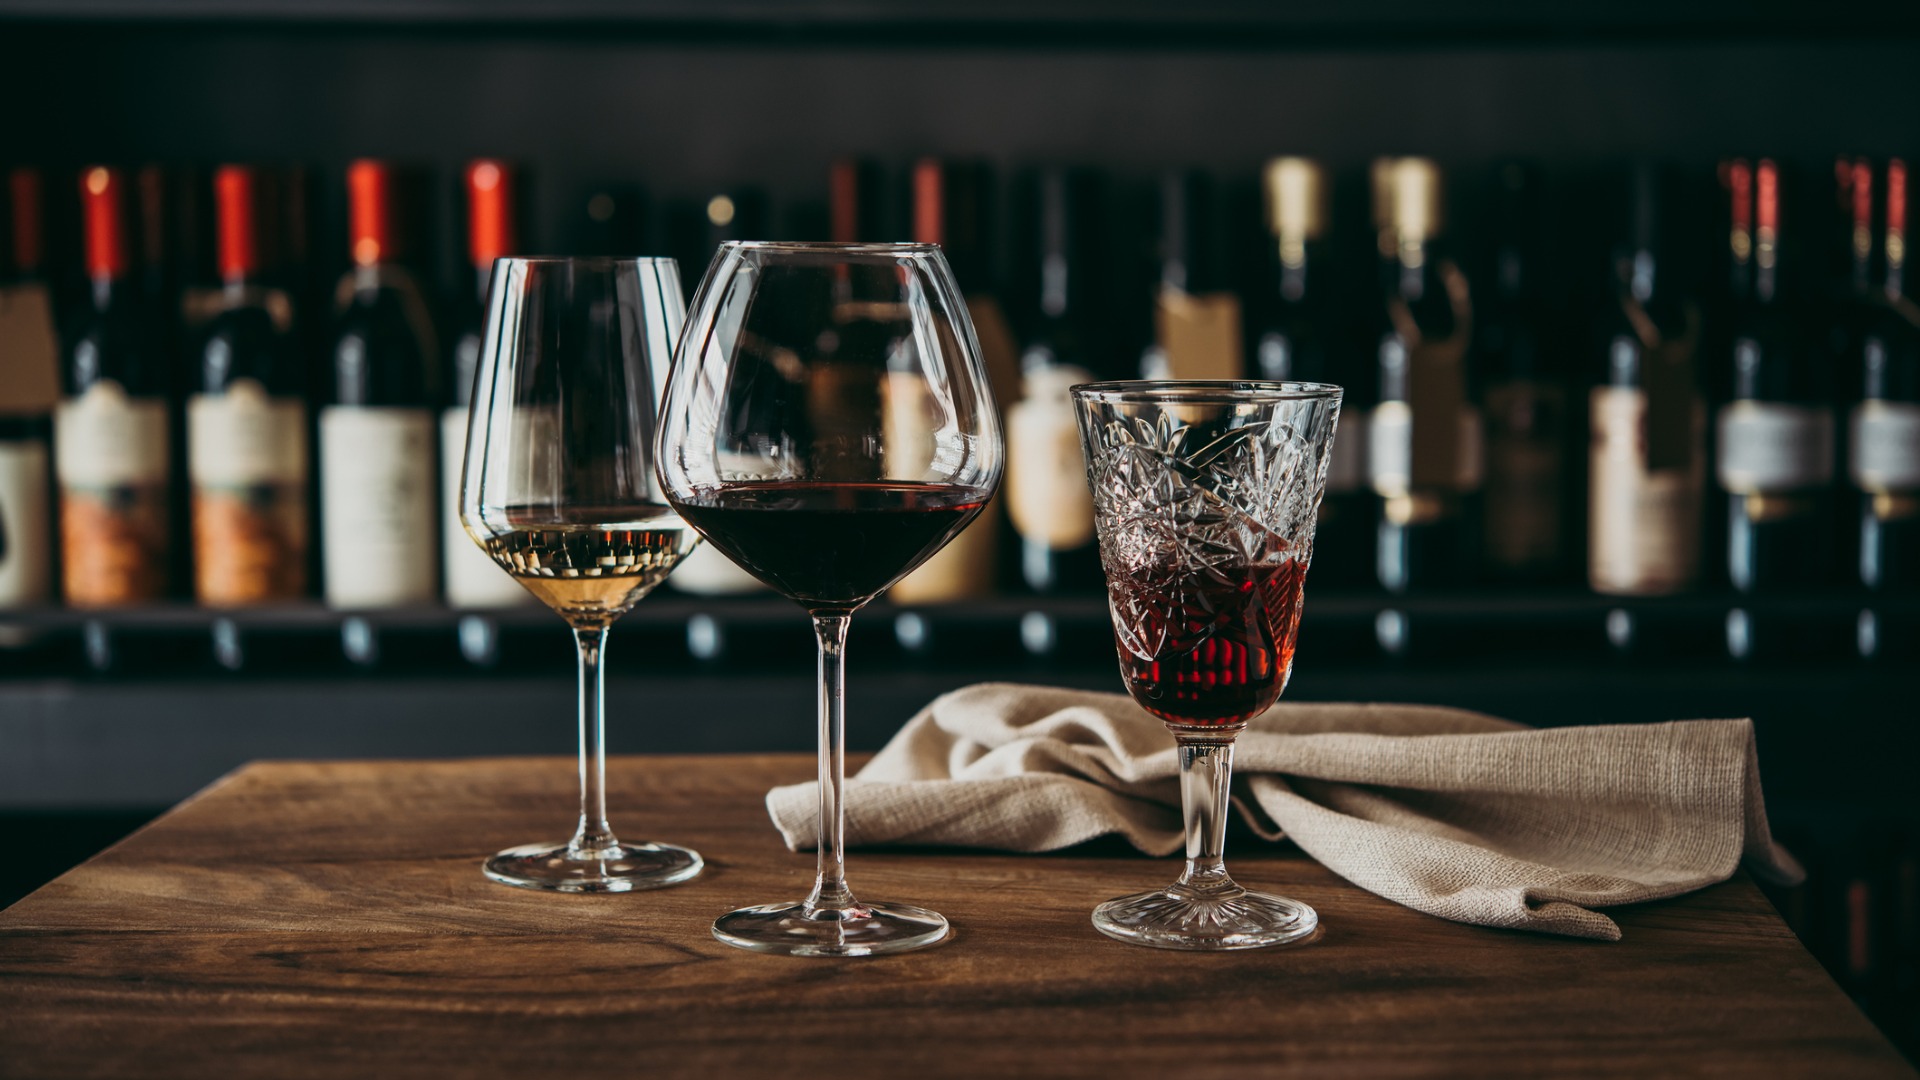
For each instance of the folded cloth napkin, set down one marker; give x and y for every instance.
(1449, 812)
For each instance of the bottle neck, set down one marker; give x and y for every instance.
(368, 278)
(1296, 269)
(106, 289)
(1411, 268)
(1639, 275)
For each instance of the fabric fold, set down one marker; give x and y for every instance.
(1450, 812)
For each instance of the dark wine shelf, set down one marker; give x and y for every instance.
(1059, 633)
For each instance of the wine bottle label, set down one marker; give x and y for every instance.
(110, 455)
(1523, 473)
(1048, 499)
(964, 568)
(26, 529)
(30, 375)
(1391, 455)
(247, 461)
(1199, 334)
(999, 351)
(1347, 464)
(472, 579)
(1766, 447)
(1643, 524)
(1883, 452)
(377, 488)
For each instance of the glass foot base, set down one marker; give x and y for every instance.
(862, 930)
(622, 868)
(1177, 919)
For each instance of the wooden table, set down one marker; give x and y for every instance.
(330, 920)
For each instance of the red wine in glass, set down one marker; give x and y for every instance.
(1222, 641)
(830, 545)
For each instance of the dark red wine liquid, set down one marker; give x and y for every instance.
(831, 545)
(1225, 644)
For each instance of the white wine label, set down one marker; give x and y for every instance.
(1389, 454)
(377, 506)
(1767, 447)
(907, 423)
(104, 439)
(1883, 452)
(1347, 469)
(247, 460)
(472, 579)
(26, 555)
(1048, 498)
(1643, 525)
(1200, 334)
(244, 438)
(110, 456)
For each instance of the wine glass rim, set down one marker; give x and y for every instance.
(1204, 391)
(834, 247)
(588, 260)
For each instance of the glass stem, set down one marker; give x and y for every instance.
(1206, 774)
(595, 836)
(830, 891)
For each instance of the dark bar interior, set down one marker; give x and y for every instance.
(1653, 256)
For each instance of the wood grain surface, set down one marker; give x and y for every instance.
(330, 920)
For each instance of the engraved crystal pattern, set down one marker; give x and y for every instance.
(1176, 502)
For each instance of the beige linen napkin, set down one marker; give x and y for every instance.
(1449, 812)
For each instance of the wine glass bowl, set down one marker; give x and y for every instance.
(559, 490)
(1205, 495)
(829, 428)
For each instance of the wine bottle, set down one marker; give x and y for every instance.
(1296, 336)
(376, 431)
(1883, 439)
(1774, 435)
(111, 451)
(29, 389)
(246, 421)
(951, 206)
(1523, 391)
(1424, 451)
(471, 578)
(1647, 457)
(1196, 315)
(1048, 501)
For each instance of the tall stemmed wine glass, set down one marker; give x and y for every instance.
(559, 489)
(1204, 499)
(829, 427)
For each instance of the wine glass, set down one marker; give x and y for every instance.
(829, 427)
(559, 489)
(1205, 495)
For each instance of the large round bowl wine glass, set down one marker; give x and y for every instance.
(1204, 496)
(829, 427)
(559, 489)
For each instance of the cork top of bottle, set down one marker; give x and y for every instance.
(103, 204)
(370, 212)
(237, 249)
(1406, 198)
(1296, 198)
(489, 211)
(1896, 239)
(25, 197)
